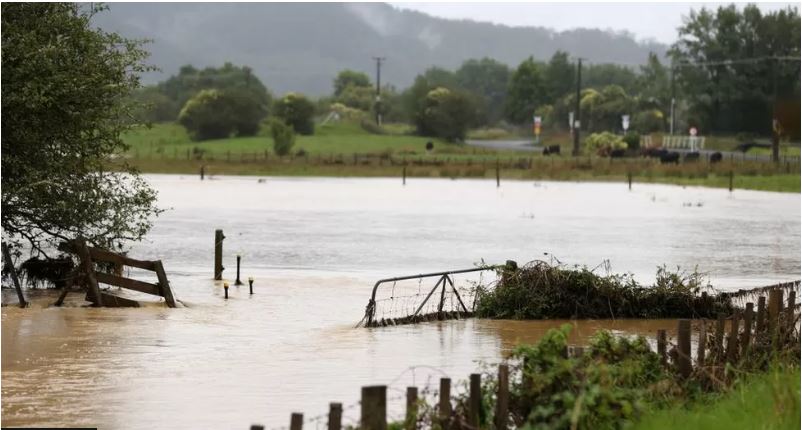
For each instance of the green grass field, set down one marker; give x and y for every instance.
(765, 401)
(345, 149)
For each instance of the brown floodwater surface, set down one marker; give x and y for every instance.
(315, 248)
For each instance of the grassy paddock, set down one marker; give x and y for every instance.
(346, 150)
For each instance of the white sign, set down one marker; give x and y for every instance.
(693, 131)
(625, 122)
(537, 120)
(570, 118)
(576, 124)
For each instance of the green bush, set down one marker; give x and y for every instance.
(604, 142)
(632, 139)
(283, 137)
(445, 113)
(648, 121)
(216, 114)
(297, 111)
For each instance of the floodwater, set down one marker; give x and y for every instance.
(315, 248)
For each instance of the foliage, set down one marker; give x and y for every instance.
(632, 140)
(648, 121)
(525, 93)
(208, 115)
(603, 143)
(349, 78)
(445, 113)
(296, 110)
(283, 137)
(654, 84)
(604, 388)
(738, 96)
(152, 106)
(541, 291)
(229, 79)
(560, 76)
(356, 97)
(488, 80)
(64, 85)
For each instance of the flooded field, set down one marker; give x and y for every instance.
(315, 248)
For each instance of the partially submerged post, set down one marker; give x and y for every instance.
(444, 407)
(239, 259)
(684, 348)
(296, 421)
(410, 423)
(475, 400)
(498, 174)
(503, 396)
(335, 416)
(661, 346)
(218, 254)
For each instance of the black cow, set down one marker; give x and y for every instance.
(551, 149)
(715, 157)
(691, 156)
(618, 153)
(655, 152)
(669, 157)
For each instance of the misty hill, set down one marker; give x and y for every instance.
(301, 46)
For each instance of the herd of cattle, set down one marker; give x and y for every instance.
(664, 155)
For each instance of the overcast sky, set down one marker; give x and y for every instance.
(658, 21)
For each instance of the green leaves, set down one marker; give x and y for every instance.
(64, 83)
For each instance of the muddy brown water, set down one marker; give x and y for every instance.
(315, 247)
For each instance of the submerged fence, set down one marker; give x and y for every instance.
(730, 340)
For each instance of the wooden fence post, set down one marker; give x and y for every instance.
(746, 337)
(503, 397)
(218, 254)
(335, 416)
(498, 175)
(445, 403)
(775, 306)
(374, 408)
(700, 348)
(257, 427)
(719, 339)
(732, 341)
(760, 325)
(684, 347)
(475, 400)
(661, 346)
(89, 272)
(296, 421)
(412, 408)
(789, 311)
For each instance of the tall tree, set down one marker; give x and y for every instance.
(560, 76)
(488, 79)
(64, 87)
(526, 92)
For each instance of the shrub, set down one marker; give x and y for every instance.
(445, 113)
(648, 121)
(283, 137)
(632, 139)
(603, 143)
(297, 111)
(216, 114)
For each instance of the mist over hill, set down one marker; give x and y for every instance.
(301, 46)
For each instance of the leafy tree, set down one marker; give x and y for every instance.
(488, 80)
(350, 78)
(526, 92)
(297, 111)
(64, 82)
(283, 136)
(152, 106)
(648, 121)
(654, 84)
(445, 113)
(598, 76)
(357, 97)
(724, 66)
(560, 76)
(230, 78)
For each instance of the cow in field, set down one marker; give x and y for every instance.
(715, 157)
(551, 150)
(669, 157)
(691, 157)
(618, 153)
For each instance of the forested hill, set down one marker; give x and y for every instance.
(301, 46)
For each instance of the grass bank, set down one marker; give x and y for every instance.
(346, 150)
(767, 400)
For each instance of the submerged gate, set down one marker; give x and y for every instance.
(411, 305)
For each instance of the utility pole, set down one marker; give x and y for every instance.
(673, 101)
(775, 132)
(577, 123)
(378, 89)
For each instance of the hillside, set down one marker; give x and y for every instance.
(301, 46)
